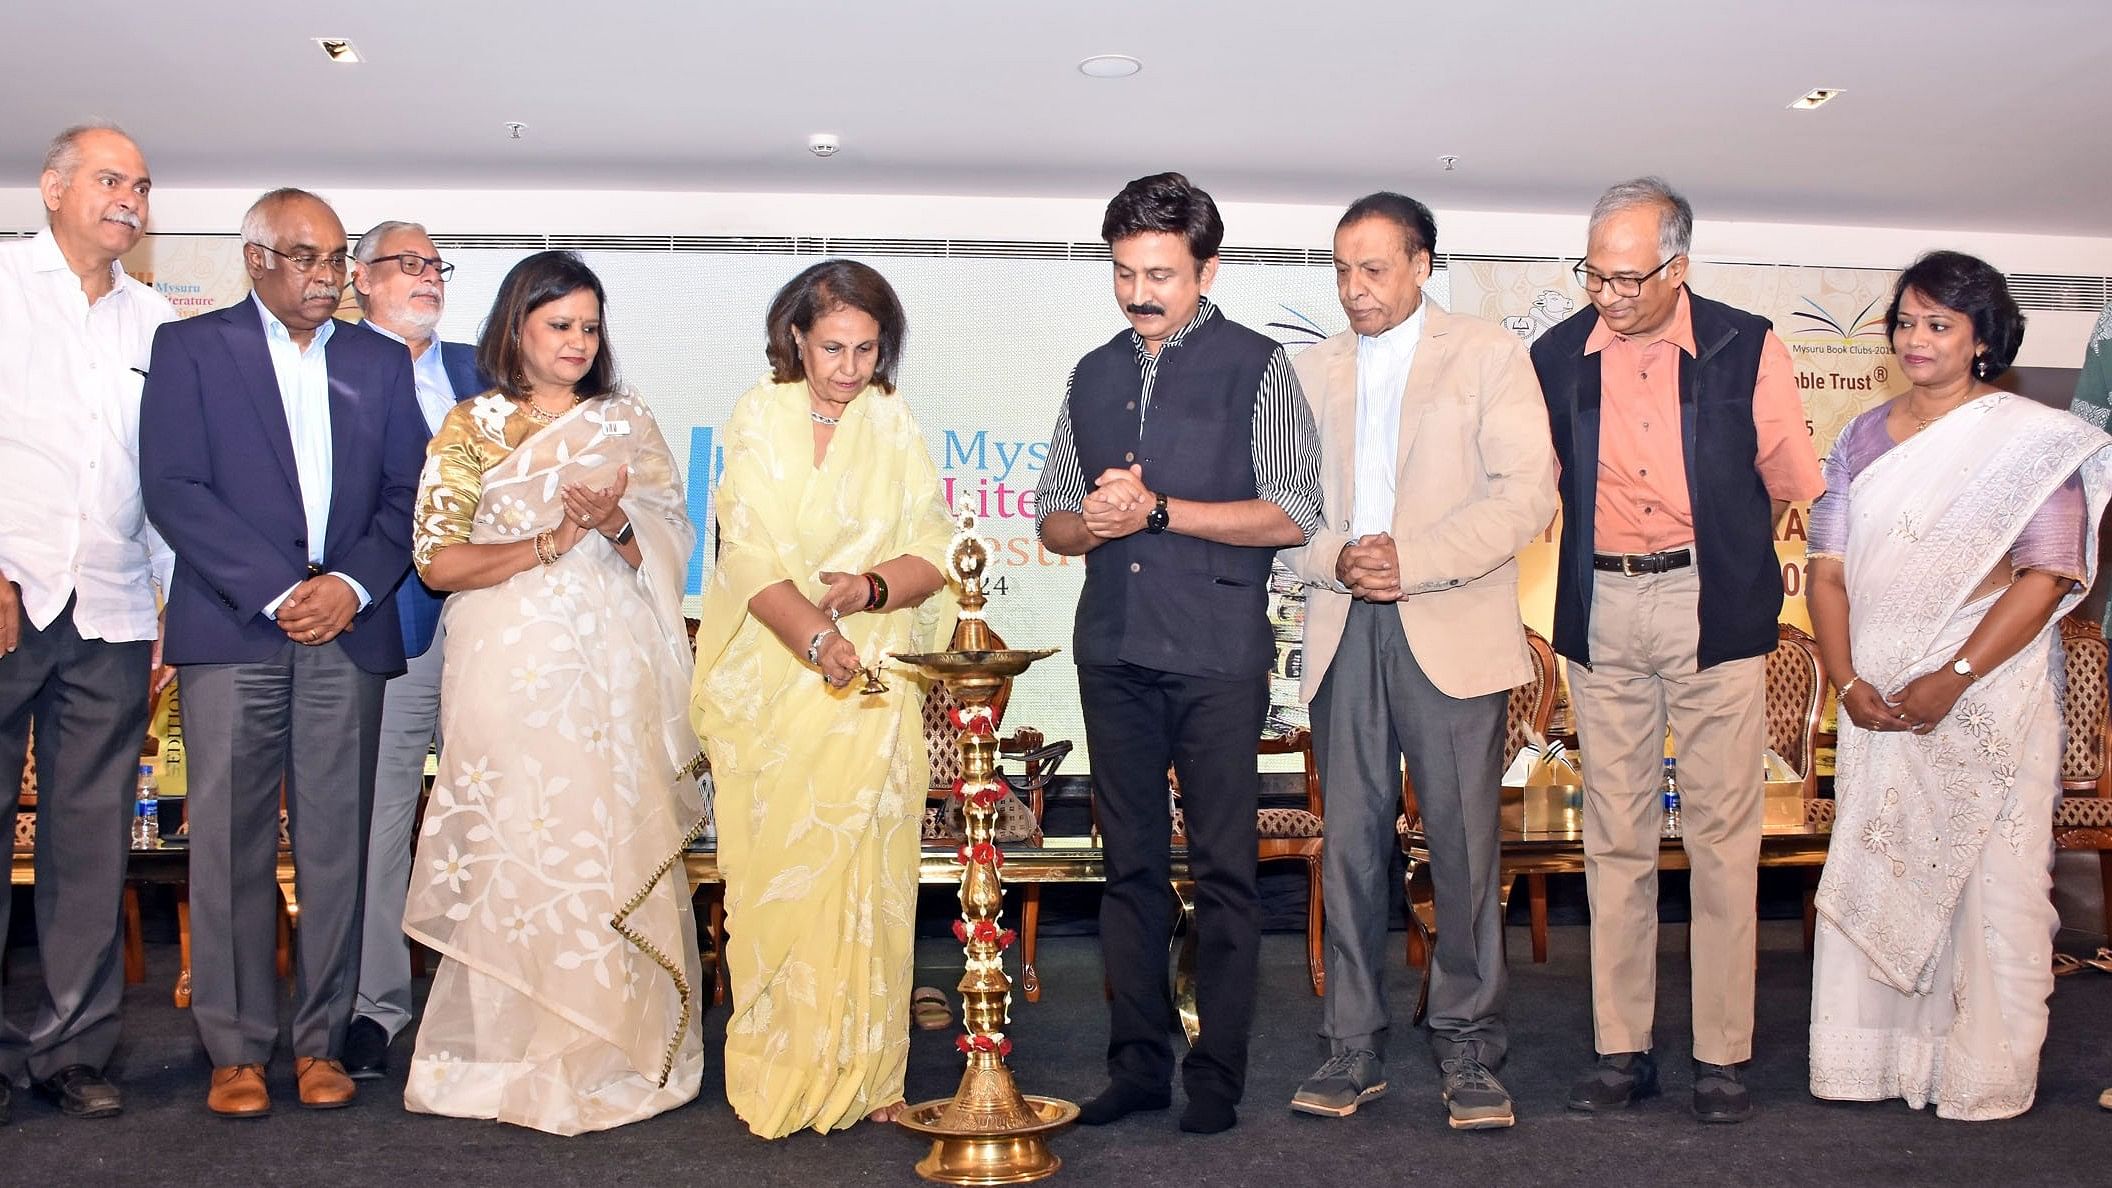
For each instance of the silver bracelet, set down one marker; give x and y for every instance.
(814, 647)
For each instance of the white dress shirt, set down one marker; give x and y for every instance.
(304, 392)
(71, 524)
(1382, 377)
(436, 393)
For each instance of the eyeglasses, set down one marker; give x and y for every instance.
(306, 261)
(414, 264)
(1623, 286)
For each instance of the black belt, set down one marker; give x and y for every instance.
(1635, 563)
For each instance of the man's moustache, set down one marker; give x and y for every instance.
(1150, 311)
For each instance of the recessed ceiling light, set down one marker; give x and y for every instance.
(339, 50)
(1816, 97)
(1109, 66)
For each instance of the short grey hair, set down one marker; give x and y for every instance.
(370, 243)
(1675, 217)
(63, 156)
(256, 224)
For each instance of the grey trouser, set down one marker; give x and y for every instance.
(88, 701)
(311, 717)
(410, 725)
(1374, 708)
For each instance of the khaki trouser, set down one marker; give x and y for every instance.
(1643, 645)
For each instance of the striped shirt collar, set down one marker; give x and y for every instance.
(1204, 311)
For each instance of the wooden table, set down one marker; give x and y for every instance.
(1057, 860)
(1541, 832)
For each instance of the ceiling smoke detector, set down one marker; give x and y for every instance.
(339, 50)
(824, 144)
(1109, 66)
(1814, 98)
(515, 129)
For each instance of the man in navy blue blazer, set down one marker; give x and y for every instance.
(279, 455)
(401, 283)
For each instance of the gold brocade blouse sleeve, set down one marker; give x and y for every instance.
(450, 486)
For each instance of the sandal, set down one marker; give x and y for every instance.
(2063, 965)
(927, 1005)
(2102, 962)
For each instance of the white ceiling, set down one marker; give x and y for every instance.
(1958, 113)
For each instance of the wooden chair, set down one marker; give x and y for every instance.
(2083, 820)
(1531, 707)
(1796, 698)
(1287, 834)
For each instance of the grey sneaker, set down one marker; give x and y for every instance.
(1475, 1099)
(1345, 1082)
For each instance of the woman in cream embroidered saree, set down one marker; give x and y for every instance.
(831, 529)
(546, 873)
(1959, 524)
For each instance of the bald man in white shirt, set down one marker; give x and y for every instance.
(79, 565)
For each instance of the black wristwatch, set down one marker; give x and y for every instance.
(624, 537)
(1155, 520)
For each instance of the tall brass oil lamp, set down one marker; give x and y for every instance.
(987, 1132)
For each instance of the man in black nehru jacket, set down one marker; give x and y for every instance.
(1184, 457)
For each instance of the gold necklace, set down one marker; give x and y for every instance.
(540, 417)
(1921, 422)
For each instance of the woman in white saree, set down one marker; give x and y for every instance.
(547, 873)
(1958, 525)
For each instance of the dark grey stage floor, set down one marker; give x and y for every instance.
(166, 1135)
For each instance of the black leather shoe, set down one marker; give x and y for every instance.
(81, 1092)
(1617, 1081)
(366, 1050)
(1119, 1101)
(1719, 1094)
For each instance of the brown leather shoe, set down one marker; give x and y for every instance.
(238, 1092)
(324, 1085)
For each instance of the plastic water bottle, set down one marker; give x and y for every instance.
(146, 811)
(1671, 797)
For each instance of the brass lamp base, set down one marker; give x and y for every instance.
(1014, 1155)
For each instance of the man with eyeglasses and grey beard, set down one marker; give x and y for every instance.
(78, 569)
(400, 282)
(279, 454)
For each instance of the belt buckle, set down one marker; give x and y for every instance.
(1628, 568)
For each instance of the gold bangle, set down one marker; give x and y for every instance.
(546, 540)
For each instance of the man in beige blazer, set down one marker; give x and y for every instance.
(1436, 468)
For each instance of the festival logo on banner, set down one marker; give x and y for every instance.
(197, 273)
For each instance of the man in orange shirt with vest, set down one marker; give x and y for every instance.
(1682, 442)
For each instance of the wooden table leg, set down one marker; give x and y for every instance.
(135, 944)
(182, 993)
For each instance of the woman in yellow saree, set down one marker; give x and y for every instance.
(831, 530)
